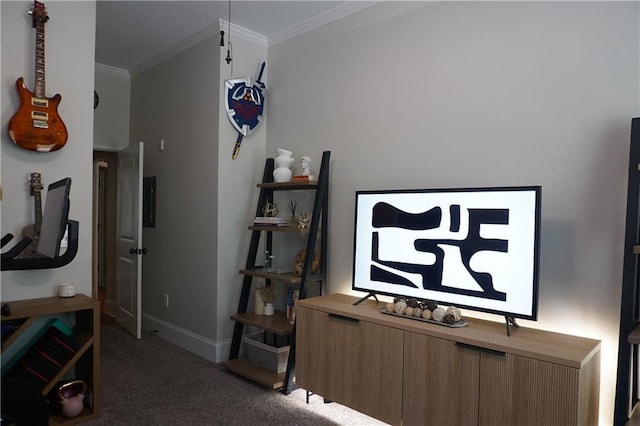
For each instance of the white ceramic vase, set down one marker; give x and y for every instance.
(269, 310)
(284, 161)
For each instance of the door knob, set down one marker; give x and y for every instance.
(132, 251)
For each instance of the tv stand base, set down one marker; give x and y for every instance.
(359, 301)
(510, 321)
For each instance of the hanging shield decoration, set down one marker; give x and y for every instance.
(244, 103)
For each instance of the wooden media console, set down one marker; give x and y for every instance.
(409, 372)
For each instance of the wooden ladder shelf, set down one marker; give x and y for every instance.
(280, 325)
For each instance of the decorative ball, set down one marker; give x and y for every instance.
(455, 312)
(438, 314)
(408, 311)
(399, 307)
(417, 312)
(449, 319)
(431, 305)
(413, 302)
(426, 314)
(390, 307)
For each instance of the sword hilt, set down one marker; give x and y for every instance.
(236, 149)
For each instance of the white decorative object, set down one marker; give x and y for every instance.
(305, 162)
(66, 290)
(284, 161)
(269, 310)
(438, 314)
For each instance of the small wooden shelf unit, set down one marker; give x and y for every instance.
(86, 332)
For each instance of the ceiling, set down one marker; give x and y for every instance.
(132, 33)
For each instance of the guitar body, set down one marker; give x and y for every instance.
(32, 249)
(36, 125)
(33, 231)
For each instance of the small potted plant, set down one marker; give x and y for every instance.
(269, 296)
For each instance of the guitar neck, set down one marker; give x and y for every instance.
(39, 89)
(37, 202)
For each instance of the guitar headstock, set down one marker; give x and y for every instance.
(38, 13)
(35, 183)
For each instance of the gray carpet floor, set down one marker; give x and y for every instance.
(153, 382)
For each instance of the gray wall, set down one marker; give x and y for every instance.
(111, 118)
(460, 94)
(194, 252)
(70, 40)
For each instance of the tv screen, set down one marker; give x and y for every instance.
(475, 248)
(54, 220)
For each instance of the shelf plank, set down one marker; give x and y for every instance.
(289, 229)
(284, 186)
(284, 278)
(17, 332)
(243, 367)
(278, 324)
(48, 306)
(261, 273)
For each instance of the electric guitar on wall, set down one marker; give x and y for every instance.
(33, 231)
(36, 125)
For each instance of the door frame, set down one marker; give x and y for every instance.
(110, 209)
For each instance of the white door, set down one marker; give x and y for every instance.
(129, 288)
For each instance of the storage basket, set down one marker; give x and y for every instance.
(268, 357)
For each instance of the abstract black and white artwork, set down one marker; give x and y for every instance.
(475, 248)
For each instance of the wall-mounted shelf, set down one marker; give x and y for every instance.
(10, 261)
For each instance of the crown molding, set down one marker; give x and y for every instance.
(174, 50)
(210, 31)
(243, 33)
(317, 21)
(324, 18)
(108, 69)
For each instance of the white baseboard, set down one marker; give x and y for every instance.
(199, 345)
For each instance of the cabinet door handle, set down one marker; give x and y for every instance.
(342, 317)
(480, 348)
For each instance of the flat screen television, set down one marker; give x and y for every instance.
(54, 220)
(475, 248)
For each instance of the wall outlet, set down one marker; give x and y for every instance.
(166, 300)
